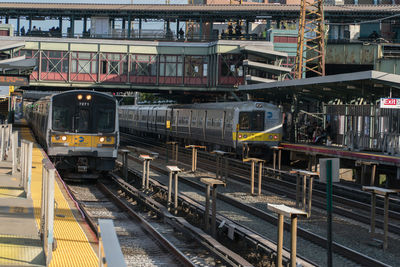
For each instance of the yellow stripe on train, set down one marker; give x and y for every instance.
(82, 140)
(260, 136)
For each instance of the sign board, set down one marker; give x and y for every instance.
(390, 103)
(335, 169)
(168, 125)
(14, 80)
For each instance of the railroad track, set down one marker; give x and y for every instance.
(145, 237)
(356, 210)
(339, 249)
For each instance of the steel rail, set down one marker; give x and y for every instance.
(314, 238)
(148, 227)
(213, 245)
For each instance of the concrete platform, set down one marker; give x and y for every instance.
(20, 243)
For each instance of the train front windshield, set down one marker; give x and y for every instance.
(251, 121)
(71, 114)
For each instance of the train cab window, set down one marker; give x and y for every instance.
(253, 121)
(62, 118)
(257, 123)
(244, 120)
(105, 120)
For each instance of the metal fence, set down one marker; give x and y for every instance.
(364, 127)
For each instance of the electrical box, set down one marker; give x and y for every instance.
(335, 169)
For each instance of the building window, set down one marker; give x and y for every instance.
(84, 62)
(196, 66)
(171, 66)
(55, 61)
(144, 65)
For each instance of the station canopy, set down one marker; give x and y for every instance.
(370, 85)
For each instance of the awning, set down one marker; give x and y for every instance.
(256, 79)
(367, 84)
(7, 45)
(266, 67)
(263, 52)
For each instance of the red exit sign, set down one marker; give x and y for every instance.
(390, 102)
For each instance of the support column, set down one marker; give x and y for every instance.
(280, 241)
(211, 183)
(30, 24)
(125, 153)
(140, 28)
(129, 26)
(72, 26)
(84, 26)
(60, 25)
(18, 26)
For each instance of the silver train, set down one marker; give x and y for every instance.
(230, 126)
(78, 129)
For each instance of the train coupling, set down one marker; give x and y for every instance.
(82, 165)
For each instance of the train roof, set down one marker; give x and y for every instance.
(211, 106)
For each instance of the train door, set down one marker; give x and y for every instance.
(81, 126)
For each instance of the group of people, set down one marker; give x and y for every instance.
(318, 135)
(229, 32)
(38, 31)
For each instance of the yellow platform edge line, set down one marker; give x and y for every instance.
(73, 248)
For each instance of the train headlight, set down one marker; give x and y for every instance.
(102, 139)
(275, 137)
(57, 138)
(88, 97)
(80, 97)
(64, 138)
(108, 139)
(240, 136)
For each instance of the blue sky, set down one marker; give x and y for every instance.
(45, 25)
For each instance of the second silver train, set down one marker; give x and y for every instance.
(226, 125)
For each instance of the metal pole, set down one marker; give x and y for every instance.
(385, 222)
(297, 189)
(218, 166)
(310, 186)
(252, 177)
(260, 165)
(329, 209)
(14, 152)
(304, 192)
(214, 211)
(29, 171)
(373, 205)
(280, 241)
(193, 160)
(293, 241)
(176, 193)
(144, 175)
(279, 159)
(147, 173)
(207, 210)
(2, 143)
(169, 190)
